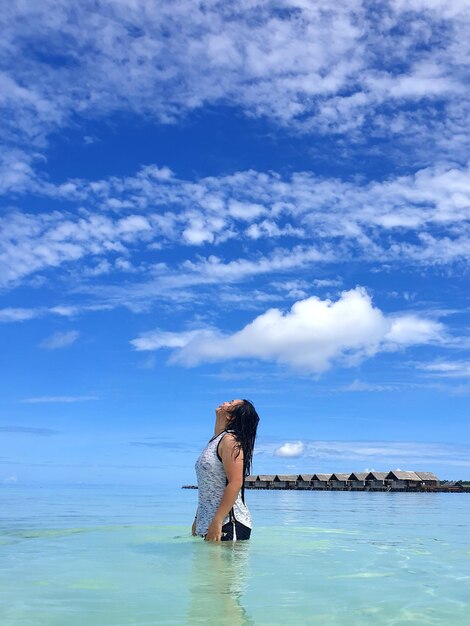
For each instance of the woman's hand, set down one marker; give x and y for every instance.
(193, 529)
(214, 532)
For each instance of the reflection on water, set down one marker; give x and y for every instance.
(218, 581)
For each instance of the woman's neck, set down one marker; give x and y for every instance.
(220, 425)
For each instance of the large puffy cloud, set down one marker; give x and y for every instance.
(311, 336)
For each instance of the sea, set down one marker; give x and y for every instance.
(124, 556)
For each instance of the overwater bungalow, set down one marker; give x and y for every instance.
(357, 480)
(320, 481)
(428, 479)
(339, 481)
(264, 481)
(284, 481)
(403, 480)
(376, 481)
(305, 481)
(452, 485)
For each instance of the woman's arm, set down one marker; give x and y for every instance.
(228, 448)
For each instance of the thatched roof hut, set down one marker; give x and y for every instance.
(291, 478)
(322, 477)
(306, 478)
(264, 480)
(428, 478)
(338, 481)
(374, 481)
(304, 481)
(358, 476)
(376, 476)
(285, 480)
(399, 479)
(320, 481)
(340, 477)
(400, 475)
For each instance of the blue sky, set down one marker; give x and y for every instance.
(201, 202)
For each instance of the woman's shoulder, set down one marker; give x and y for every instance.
(229, 436)
(229, 442)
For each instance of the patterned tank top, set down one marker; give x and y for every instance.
(211, 482)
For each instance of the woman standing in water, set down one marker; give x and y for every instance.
(222, 514)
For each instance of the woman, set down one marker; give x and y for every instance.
(221, 469)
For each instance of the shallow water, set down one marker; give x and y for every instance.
(124, 557)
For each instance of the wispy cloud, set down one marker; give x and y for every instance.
(385, 453)
(54, 399)
(33, 242)
(364, 386)
(312, 335)
(315, 66)
(29, 430)
(167, 445)
(447, 369)
(10, 480)
(422, 218)
(60, 340)
(10, 314)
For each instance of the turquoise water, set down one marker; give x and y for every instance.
(124, 556)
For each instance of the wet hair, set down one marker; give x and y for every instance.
(244, 423)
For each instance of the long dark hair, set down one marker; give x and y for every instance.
(244, 423)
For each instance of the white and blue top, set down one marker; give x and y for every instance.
(211, 482)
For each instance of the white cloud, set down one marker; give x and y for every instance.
(155, 340)
(385, 455)
(312, 336)
(60, 340)
(16, 171)
(329, 67)
(290, 449)
(64, 311)
(410, 329)
(360, 385)
(10, 480)
(437, 195)
(447, 369)
(102, 267)
(30, 243)
(58, 399)
(244, 210)
(196, 234)
(422, 219)
(11, 314)
(214, 269)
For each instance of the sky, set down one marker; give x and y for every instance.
(203, 201)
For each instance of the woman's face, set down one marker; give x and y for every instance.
(227, 407)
